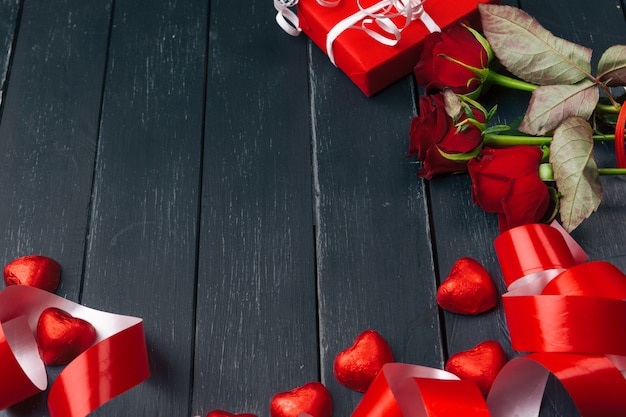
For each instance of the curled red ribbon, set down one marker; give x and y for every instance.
(403, 390)
(572, 320)
(568, 312)
(580, 310)
(116, 362)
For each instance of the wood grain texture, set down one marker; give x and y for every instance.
(375, 268)
(9, 14)
(257, 319)
(603, 235)
(141, 256)
(474, 231)
(191, 164)
(49, 130)
(47, 140)
(462, 229)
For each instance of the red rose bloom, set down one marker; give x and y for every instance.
(506, 181)
(434, 132)
(444, 56)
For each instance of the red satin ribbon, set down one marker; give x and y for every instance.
(403, 390)
(116, 362)
(523, 252)
(580, 310)
(569, 313)
(593, 382)
(574, 321)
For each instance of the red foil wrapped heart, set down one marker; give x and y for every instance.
(480, 364)
(357, 366)
(468, 289)
(35, 271)
(223, 413)
(312, 398)
(62, 337)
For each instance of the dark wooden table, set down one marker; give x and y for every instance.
(189, 163)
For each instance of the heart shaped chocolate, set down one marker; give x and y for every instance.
(223, 413)
(62, 337)
(357, 366)
(468, 289)
(312, 398)
(35, 271)
(480, 364)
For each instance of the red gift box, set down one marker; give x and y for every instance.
(370, 64)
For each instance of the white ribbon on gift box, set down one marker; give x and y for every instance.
(380, 13)
(286, 18)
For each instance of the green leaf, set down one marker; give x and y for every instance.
(530, 51)
(575, 171)
(551, 104)
(612, 66)
(497, 129)
(461, 156)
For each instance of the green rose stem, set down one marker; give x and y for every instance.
(509, 82)
(612, 171)
(608, 108)
(491, 76)
(546, 174)
(494, 139)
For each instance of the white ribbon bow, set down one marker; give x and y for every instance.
(380, 13)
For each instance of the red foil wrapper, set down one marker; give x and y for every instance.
(357, 366)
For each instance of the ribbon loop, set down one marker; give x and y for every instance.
(597, 388)
(18, 355)
(403, 390)
(382, 13)
(116, 362)
(570, 313)
(527, 250)
(286, 18)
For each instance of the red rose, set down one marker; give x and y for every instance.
(434, 132)
(506, 181)
(446, 57)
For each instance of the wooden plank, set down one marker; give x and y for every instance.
(257, 331)
(48, 132)
(9, 12)
(465, 230)
(141, 255)
(375, 267)
(603, 235)
(595, 26)
(47, 140)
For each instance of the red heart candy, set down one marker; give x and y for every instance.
(357, 366)
(468, 289)
(35, 271)
(312, 398)
(223, 413)
(62, 337)
(480, 364)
